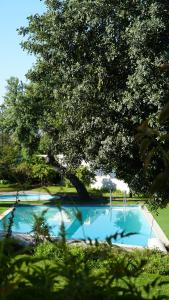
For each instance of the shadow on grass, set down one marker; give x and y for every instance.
(5, 204)
(69, 200)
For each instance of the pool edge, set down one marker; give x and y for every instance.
(6, 212)
(158, 243)
(161, 241)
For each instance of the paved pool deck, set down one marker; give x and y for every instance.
(6, 212)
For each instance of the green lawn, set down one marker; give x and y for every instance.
(72, 190)
(8, 187)
(56, 189)
(163, 219)
(117, 196)
(95, 193)
(4, 206)
(60, 189)
(13, 187)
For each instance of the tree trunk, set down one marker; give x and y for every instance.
(79, 186)
(75, 181)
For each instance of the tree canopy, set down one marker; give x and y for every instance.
(100, 72)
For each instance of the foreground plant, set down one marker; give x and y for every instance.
(58, 271)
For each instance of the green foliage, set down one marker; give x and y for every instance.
(9, 157)
(40, 229)
(40, 171)
(17, 166)
(49, 250)
(99, 74)
(67, 183)
(84, 174)
(67, 271)
(44, 174)
(22, 172)
(107, 60)
(153, 144)
(157, 263)
(56, 272)
(95, 74)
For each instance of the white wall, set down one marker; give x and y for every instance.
(109, 182)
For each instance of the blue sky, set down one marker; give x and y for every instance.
(13, 60)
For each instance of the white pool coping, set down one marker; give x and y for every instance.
(6, 212)
(160, 241)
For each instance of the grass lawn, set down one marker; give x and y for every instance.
(8, 187)
(163, 219)
(61, 189)
(71, 190)
(55, 189)
(117, 196)
(3, 208)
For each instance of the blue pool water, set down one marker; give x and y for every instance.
(26, 197)
(98, 222)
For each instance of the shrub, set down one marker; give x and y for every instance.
(43, 173)
(22, 172)
(48, 250)
(72, 276)
(156, 262)
(41, 229)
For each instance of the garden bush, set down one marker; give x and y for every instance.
(156, 262)
(68, 274)
(49, 250)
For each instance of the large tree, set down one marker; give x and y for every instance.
(100, 71)
(22, 119)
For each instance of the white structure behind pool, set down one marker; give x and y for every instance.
(110, 181)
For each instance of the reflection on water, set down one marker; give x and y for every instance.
(94, 222)
(128, 221)
(88, 217)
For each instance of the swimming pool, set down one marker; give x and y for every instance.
(98, 222)
(27, 197)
